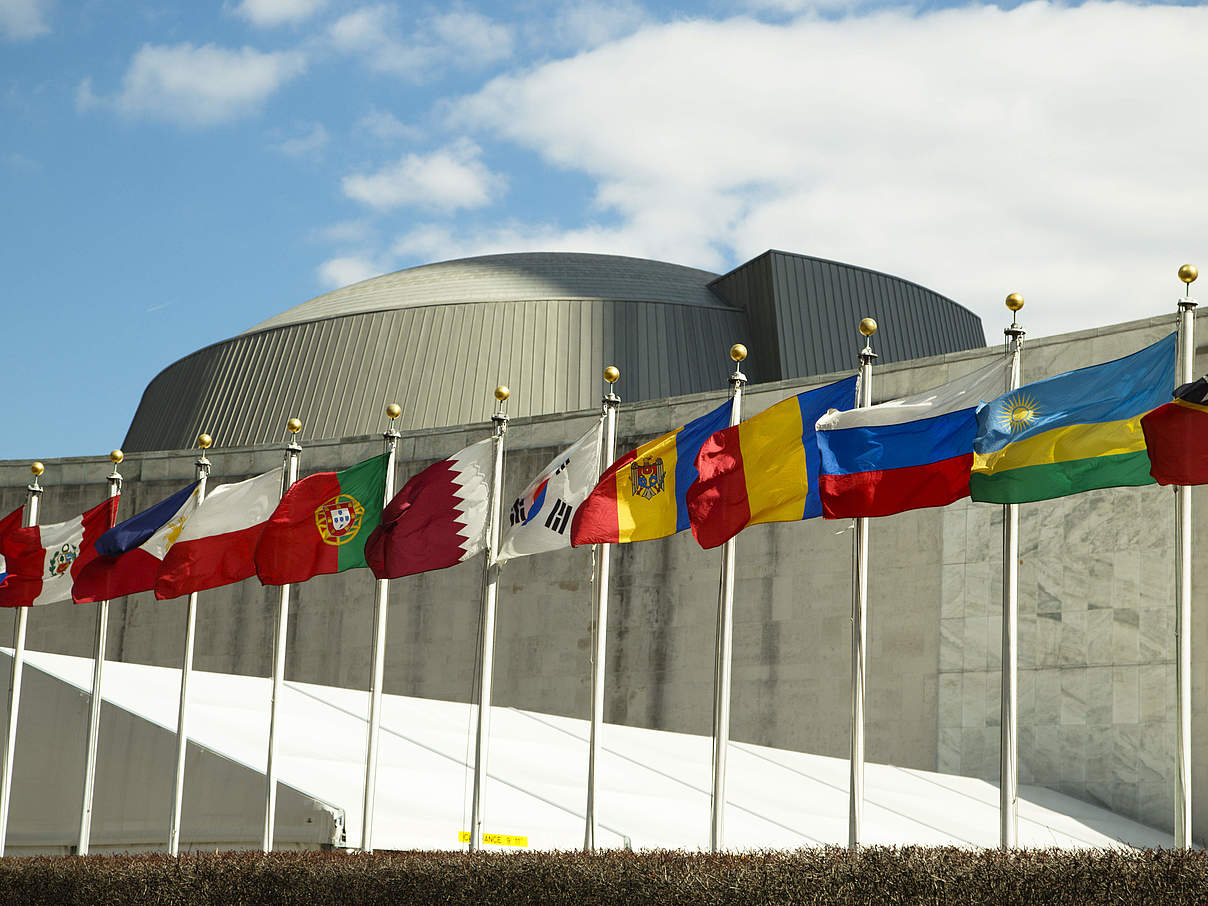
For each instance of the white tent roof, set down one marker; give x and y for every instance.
(653, 785)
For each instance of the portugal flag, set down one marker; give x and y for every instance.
(322, 523)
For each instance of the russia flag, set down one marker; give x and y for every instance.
(904, 454)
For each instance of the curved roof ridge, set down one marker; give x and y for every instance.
(512, 277)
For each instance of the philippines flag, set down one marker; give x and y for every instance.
(540, 518)
(907, 453)
(44, 560)
(129, 555)
(438, 519)
(218, 544)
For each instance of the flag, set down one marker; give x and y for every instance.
(643, 495)
(321, 524)
(1176, 436)
(218, 544)
(129, 554)
(438, 519)
(539, 519)
(907, 453)
(1074, 432)
(47, 558)
(7, 524)
(764, 469)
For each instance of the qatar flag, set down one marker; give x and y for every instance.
(47, 558)
(438, 519)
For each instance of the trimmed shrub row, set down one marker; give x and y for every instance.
(822, 876)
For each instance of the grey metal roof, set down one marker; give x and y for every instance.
(513, 278)
(437, 339)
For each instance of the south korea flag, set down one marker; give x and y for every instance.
(539, 519)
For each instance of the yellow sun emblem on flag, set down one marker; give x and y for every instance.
(1018, 412)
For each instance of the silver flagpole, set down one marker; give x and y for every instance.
(1008, 745)
(94, 711)
(381, 606)
(280, 636)
(486, 656)
(33, 497)
(1182, 603)
(725, 641)
(859, 619)
(608, 452)
(182, 738)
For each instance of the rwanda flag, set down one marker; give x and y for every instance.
(1071, 433)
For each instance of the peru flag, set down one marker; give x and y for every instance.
(129, 554)
(218, 544)
(438, 519)
(47, 558)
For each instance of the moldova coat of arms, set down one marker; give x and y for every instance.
(646, 477)
(339, 519)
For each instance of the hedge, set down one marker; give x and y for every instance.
(822, 876)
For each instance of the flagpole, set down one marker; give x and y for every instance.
(1008, 720)
(859, 618)
(98, 662)
(280, 635)
(725, 641)
(608, 452)
(380, 611)
(33, 497)
(486, 656)
(1182, 605)
(182, 739)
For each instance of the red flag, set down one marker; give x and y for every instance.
(437, 519)
(1176, 435)
(49, 557)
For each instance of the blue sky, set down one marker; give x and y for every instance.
(174, 173)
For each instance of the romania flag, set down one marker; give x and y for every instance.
(1071, 433)
(643, 495)
(1177, 436)
(764, 469)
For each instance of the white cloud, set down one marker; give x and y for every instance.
(458, 39)
(21, 20)
(1046, 149)
(337, 272)
(197, 86)
(453, 177)
(270, 13)
(308, 144)
(590, 23)
(385, 126)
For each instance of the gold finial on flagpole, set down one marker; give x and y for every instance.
(393, 411)
(37, 468)
(1188, 274)
(116, 456)
(868, 326)
(205, 441)
(612, 374)
(1014, 302)
(738, 352)
(502, 392)
(294, 425)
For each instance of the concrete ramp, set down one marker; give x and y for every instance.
(654, 785)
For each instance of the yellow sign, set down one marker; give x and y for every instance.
(495, 839)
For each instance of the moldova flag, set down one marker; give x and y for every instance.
(643, 495)
(321, 524)
(764, 469)
(1176, 437)
(907, 453)
(1074, 432)
(129, 555)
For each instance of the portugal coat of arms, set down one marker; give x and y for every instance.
(646, 477)
(339, 519)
